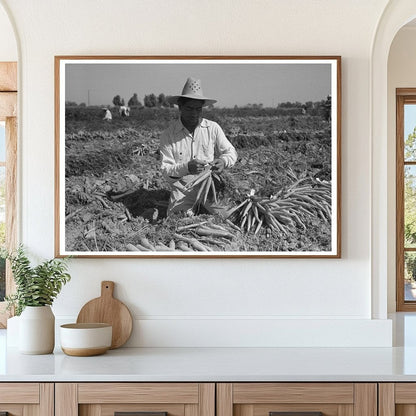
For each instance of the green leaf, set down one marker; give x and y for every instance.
(35, 286)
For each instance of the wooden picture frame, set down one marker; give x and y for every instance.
(278, 196)
(405, 166)
(8, 121)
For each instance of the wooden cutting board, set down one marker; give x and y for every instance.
(111, 311)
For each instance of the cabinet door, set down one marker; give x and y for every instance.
(142, 399)
(297, 399)
(26, 399)
(397, 399)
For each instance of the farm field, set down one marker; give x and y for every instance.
(116, 197)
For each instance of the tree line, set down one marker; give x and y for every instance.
(150, 101)
(322, 108)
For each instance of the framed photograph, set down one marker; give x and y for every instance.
(198, 156)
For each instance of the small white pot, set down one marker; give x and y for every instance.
(85, 339)
(37, 330)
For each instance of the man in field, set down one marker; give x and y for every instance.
(107, 114)
(189, 145)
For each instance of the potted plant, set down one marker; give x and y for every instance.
(36, 289)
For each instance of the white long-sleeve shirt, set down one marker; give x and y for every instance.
(179, 146)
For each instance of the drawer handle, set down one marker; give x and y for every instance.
(139, 414)
(295, 413)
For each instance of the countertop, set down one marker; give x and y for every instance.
(390, 364)
(214, 364)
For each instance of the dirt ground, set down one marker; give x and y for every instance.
(116, 197)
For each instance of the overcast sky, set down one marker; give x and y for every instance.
(229, 83)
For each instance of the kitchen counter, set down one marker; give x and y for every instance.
(215, 364)
(222, 364)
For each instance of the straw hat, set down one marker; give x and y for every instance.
(192, 89)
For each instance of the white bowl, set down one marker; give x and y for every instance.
(85, 339)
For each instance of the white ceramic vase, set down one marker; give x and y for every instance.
(37, 330)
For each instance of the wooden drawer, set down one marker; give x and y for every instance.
(332, 399)
(22, 399)
(104, 399)
(397, 399)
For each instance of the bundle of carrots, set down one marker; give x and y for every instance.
(285, 210)
(205, 182)
(307, 197)
(252, 214)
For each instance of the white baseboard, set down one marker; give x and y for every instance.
(189, 332)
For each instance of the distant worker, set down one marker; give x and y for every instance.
(189, 144)
(124, 111)
(107, 116)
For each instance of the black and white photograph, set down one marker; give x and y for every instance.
(197, 157)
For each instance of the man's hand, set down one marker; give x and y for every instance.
(196, 166)
(218, 165)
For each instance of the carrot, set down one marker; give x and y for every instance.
(243, 221)
(145, 243)
(232, 210)
(247, 208)
(199, 193)
(186, 227)
(183, 246)
(198, 179)
(137, 247)
(207, 188)
(281, 227)
(260, 207)
(271, 221)
(299, 220)
(213, 241)
(193, 242)
(216, 176)
(218, 227)
(259, 225)
(249, 217)
(254, 219)
(142, 248)
(232, 225)
(199, 246)
(256, 211)
(284, 219)
(213, 232)
(322, 216)
(214, 192)
(131, 247)
(163, 247)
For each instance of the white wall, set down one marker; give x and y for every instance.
(8, 46)
(197, 302)
(401, 74)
